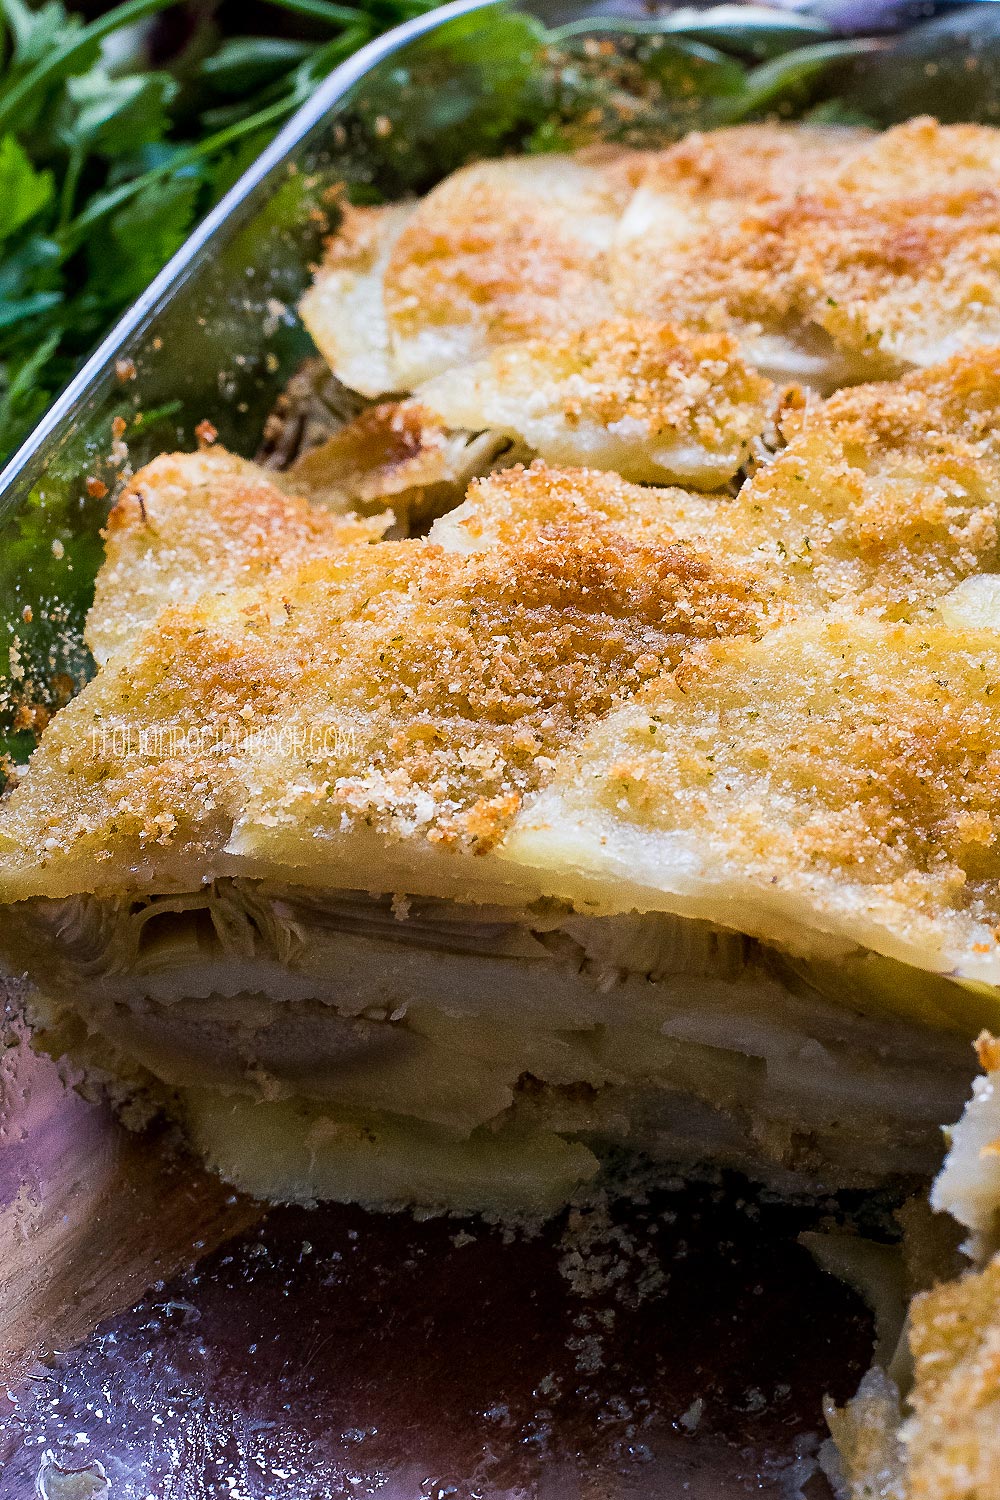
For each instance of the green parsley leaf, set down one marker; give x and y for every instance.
(112, 116)
(23, 191)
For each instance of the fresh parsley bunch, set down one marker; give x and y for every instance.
(106, 163)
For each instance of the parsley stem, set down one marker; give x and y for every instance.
(320, 10)
(100, 207)
(67, 195)
(55, 64)
(61, 58)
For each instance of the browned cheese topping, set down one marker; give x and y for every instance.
(503, 251)
(707, 228)
(651, 401)
(887, 495)
(841, 777)
(840, 747)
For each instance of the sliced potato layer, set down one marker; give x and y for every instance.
(189, 523)
(836, 777)
(832, 258)
(650, 401)
(398, 690)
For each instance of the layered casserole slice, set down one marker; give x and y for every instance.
(608, 820)
(454, 871)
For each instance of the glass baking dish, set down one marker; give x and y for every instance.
(160, 1336)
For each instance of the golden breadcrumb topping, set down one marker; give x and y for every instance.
(751, 165)
(831, 254)
(904, 282)
(747, 707)
(398, 687)
(952, 1441)
(649, 401)
(893, 736)
(706, 239)
(849, 771)
(508, 507)
(551, 595)
(886, 496)
(886, 493)
(920, 156)
(500, 251)
(988, 1052)
(652, 401)
(189, 523)
(891, 254)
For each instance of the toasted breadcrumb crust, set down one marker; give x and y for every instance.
(432, 688)
(757, 165)
(498, 251)
(889, 249)
(920, 156)
(900, 249)
(709, 237)
(952, 1440)
(885, 497)
(888, 494)
(905, 282)
(192, 523)
(506, 508)
(848, 772)
(988, 1052)
(651, 401)
(850, 493)
(872, 750)
(831, 254)
(502, 251)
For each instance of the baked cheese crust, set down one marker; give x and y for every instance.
(709, 240)
(887, 495)
(499, 251)
(885, 498)
(831, 255)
